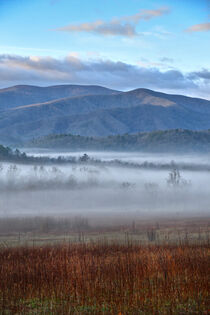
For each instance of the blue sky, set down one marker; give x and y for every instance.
(163, 45)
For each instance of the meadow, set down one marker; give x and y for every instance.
(102, 238)
(148, 267)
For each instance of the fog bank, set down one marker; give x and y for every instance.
(104, 191)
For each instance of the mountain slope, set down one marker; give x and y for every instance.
(102, 115)
(104, 122)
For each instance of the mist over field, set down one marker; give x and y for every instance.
(138, 157)
(105, 192)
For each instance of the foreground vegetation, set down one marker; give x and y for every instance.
(145, 267)
(100, 278)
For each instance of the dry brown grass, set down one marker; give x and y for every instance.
(100, 278)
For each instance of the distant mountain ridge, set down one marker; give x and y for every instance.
(28, 112)
(21, 95)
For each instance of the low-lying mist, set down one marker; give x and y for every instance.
(103, 191)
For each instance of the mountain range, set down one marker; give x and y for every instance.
(28, 112)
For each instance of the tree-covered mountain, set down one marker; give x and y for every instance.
(176, 140)
(95, 111)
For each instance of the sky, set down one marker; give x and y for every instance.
(161, 45)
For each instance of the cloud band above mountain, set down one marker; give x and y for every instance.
(47, 70)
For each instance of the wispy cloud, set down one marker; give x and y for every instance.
(163, 63)
(119, 75)
(123, 26)
(203, 27)
(145, 15)
(101, 27)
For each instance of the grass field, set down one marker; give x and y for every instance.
(143, 268)
(40, 231)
